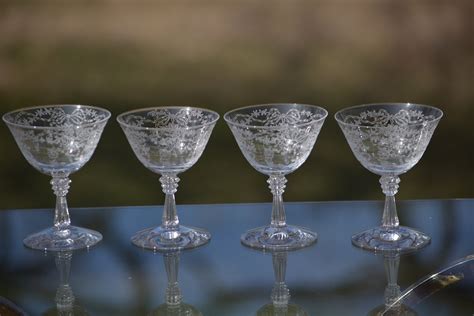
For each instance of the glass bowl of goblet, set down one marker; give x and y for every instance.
(168, 141)
(389, 139)
(58, 140)
(276, 139)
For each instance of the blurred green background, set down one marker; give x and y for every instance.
(123, 55)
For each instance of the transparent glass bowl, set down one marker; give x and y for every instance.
(388, 139)
(276, 139)
(58, 140)
(168, 141)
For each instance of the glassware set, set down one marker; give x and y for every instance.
(388, 139)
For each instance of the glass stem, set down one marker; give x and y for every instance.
(64, 295)
(280, 293)
(390, 186)
(392, 290)
(169, 183)
(173, 292)
(60, 184)
(277, 187)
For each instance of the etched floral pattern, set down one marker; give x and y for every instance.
(55, 116)
(168, 140)
(388, 141)
(57, 139)
(276, 139)
(169, 118)
(274, 117)
(383, 118)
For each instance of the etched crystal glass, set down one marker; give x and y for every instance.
(389, 139)
(276, 139)
(58, 140)
(168, 141)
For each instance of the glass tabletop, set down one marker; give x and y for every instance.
(225, 278)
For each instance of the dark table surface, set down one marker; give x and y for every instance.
(226, 278)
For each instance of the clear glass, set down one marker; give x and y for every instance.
(276, 139)
(65, 299)
(280, 293)
(389, 139)
(174, 305)
(168, 141)
(392, 306)
(58, 140)
(457, 271)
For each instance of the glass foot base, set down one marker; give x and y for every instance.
(401, 239)
(72, 238)
(159, 239)
(284, 238)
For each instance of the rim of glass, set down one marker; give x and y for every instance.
(121, 122)
(227, 119)
(386, 104)
(107, 113)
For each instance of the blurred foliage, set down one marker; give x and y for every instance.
(224, 54)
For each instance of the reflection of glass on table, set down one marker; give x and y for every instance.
(280, 296)
(174, 305)
(65, 300)
(392, 306)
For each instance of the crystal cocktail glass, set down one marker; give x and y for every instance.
(276, 139)
(58, 140)
(168, 141)
(388, 139)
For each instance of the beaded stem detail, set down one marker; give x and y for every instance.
(277, 187)
(60, 184)
(169, 184)
(390, 186)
